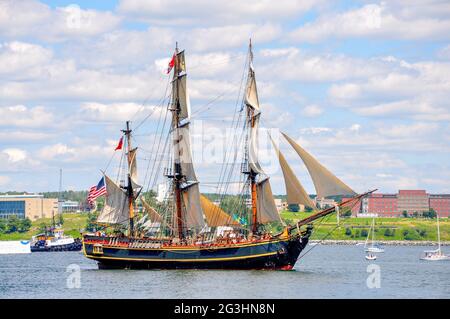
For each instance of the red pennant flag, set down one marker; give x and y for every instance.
(119, 146)
(171, 64)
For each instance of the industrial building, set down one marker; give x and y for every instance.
(33, 206)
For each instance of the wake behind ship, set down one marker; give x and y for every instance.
(186, 229)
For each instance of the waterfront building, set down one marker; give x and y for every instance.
(413, 201)
(324, 203)
(409, 201)
(32, 206)
(70, 206)
(440, 203)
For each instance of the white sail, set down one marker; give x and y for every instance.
(296, 194)
(325, 183)
(265, 204)
(116, 210)
(193, 214)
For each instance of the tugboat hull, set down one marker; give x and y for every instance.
(270, 254)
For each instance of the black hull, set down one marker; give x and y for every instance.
(69, 247)
(271, 254)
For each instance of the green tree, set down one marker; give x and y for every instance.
(348, 231)
(364, 233)
(91, 224)
(60, 219)
(295, 208)
(405, 214)
(2, 226)
(12, 225)
(24, 225)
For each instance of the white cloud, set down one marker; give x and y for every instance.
(312, 110)
(31, 18)
(22, 116)
(116, 112)
(377, 20)
(17, 57)
(315, 67)
(178, 12)
(57, 150)
(15, 154)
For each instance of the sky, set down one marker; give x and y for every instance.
(364, 86)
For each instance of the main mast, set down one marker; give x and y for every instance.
(129, 188)
(177, 164)
(251, 119)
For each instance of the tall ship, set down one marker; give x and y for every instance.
(186, 229)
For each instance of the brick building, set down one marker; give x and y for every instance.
(411, 201)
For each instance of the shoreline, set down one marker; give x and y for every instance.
(382, 242)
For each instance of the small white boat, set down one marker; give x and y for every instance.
(371, 256)
(435, 255)
(373, 248)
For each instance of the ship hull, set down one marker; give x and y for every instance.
(269, 254)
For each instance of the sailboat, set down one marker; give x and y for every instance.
(435, 255)
(373, 248)
(187, 230)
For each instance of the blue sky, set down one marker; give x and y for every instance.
(362, 85)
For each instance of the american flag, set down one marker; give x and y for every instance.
(97, 191)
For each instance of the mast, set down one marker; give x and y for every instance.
(177, 165)
(251, 171)
(59, 192)
(438, 233)
(129, 187)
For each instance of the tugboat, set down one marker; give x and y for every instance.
(55, 240)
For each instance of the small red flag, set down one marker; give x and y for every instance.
(171, 64)
(119, 146)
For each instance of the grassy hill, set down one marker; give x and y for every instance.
(418, 229)
(73, 223)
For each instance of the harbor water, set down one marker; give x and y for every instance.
(326, 271)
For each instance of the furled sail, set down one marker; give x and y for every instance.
(116, 210)
(253, 109)
(267, 210)
(325, 183)
(133, 169)
(191, 200)
(254, 146)
(214, 215)
(184, 152)
(151, 212)
(179, 88)
(296, 194)
(251, 93)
